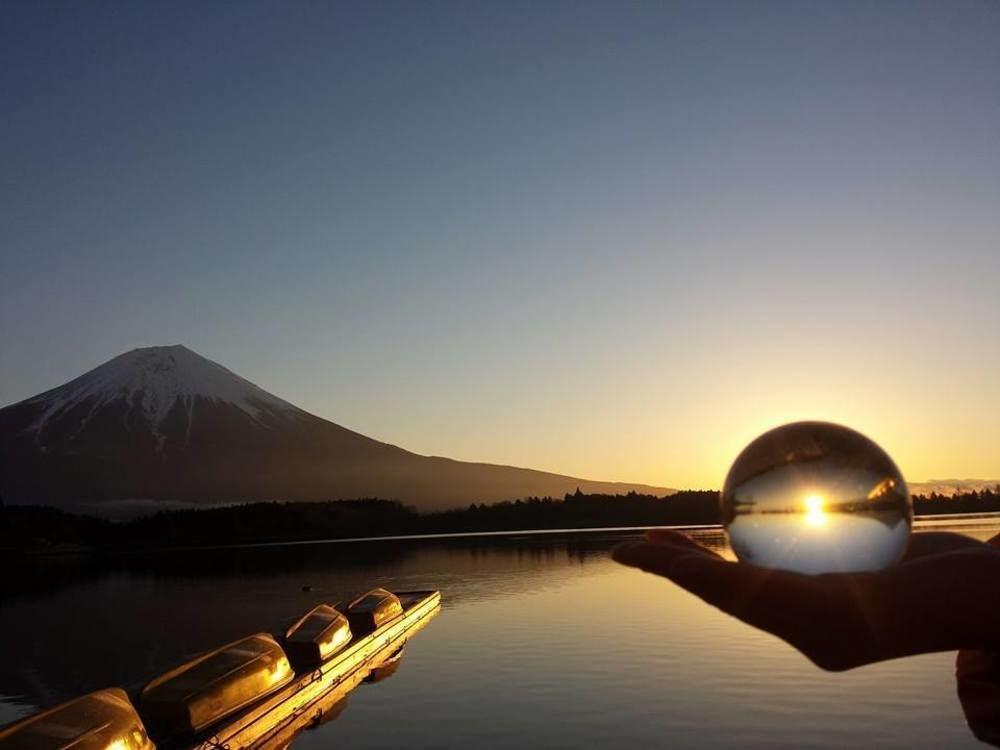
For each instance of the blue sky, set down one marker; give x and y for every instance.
(610, 239)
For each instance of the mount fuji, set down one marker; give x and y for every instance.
(161, 426)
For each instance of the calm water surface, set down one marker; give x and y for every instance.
(542, 641)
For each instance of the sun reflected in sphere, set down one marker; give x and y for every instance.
(815, 497)
(815, 516)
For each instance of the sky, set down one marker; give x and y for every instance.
(613, 240)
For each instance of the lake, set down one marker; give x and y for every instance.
(542, 641)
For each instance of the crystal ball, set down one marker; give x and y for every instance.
(816, 497)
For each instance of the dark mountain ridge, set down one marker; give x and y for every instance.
(161, 426)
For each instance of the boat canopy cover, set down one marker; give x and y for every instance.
(198, 693)
(374, 609)
(101, 720)
(318, 635)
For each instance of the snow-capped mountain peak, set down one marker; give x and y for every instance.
(164, 424)
(152, 380)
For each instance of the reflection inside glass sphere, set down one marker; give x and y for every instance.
(815, 497)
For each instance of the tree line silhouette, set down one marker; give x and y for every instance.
(37, 528)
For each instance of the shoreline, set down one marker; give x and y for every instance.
(923, 521)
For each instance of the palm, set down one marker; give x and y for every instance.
(941, 597)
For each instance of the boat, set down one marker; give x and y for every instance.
(266, 725)
(203, 691)
(316, 636)
(97, 721)
(372, 610)
(245, 695)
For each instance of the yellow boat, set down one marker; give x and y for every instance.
(104, 720)
(373, 610)
(316, 636)
(245, 694)
(267, 723)
(199, 693)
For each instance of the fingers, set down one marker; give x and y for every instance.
(936, 543)
(661, 548)
(979, 692)
(732, 587)
(666, 536)
(722, 584)
(652, 558)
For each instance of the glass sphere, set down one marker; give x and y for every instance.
(815, 497)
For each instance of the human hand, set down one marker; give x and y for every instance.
(978, 676)
(943, 595)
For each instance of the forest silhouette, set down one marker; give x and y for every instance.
(44, 529)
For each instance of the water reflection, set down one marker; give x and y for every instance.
(325, 712)
(94, 622)
(542, 641)
(329, 708)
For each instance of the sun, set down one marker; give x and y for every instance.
(815, 515)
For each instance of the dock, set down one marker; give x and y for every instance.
(245, 695)
(274, 721)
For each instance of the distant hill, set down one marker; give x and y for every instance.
(163, 426)
(950, 487)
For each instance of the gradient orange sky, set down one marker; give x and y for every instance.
(614, 241)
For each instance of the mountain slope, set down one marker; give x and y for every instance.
(164, 424)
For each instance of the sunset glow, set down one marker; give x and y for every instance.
(657, 340)
(628, 280)
(815, 515)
